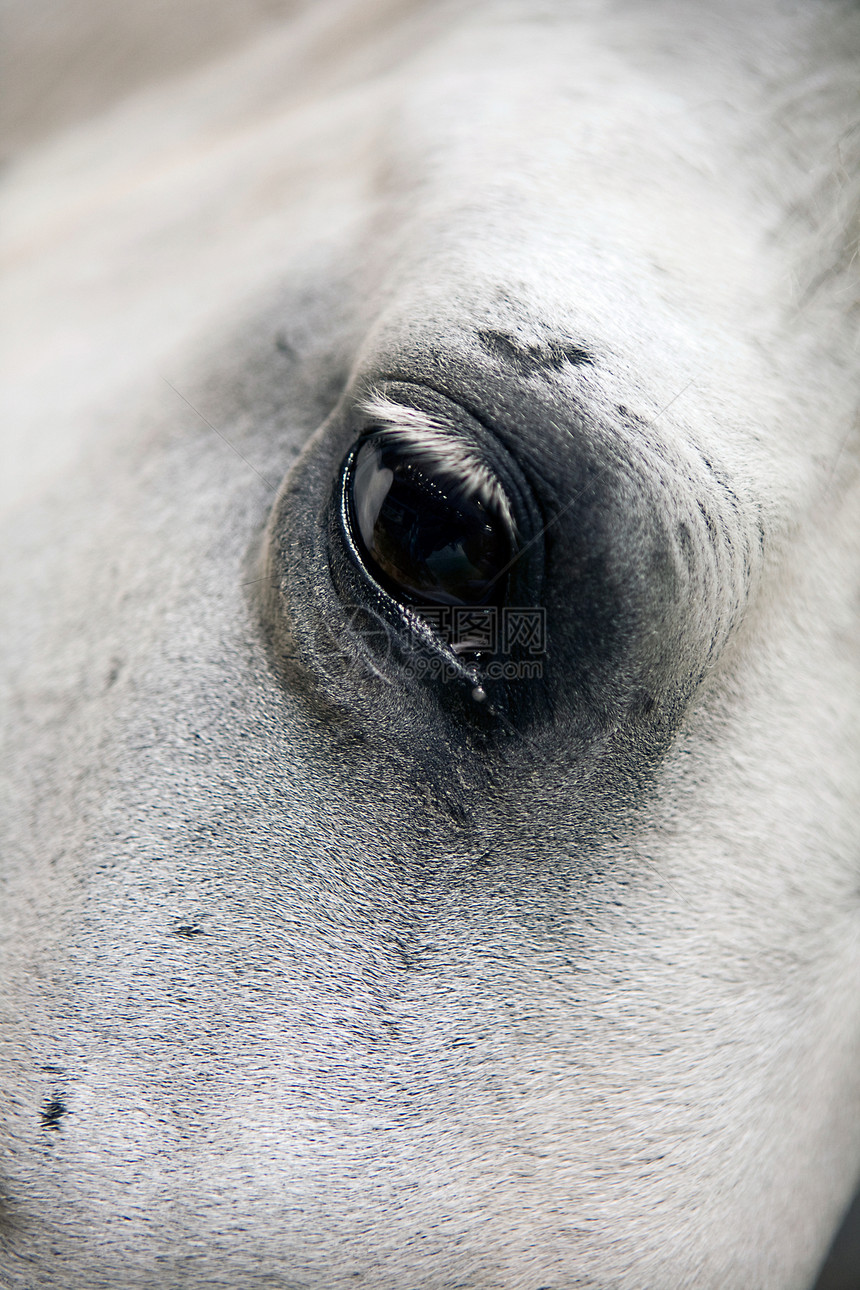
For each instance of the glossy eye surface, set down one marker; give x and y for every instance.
(431, 524)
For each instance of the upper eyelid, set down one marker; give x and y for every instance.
(380, 409)
(435, 444)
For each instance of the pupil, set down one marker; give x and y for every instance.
(422, 536)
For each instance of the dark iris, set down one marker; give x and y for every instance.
(422, 537)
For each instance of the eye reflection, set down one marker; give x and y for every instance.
(426, 532)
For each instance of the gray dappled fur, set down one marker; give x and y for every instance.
(312, 977)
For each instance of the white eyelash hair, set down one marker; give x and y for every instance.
(431, 443)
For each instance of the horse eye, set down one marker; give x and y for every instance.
(429, 530)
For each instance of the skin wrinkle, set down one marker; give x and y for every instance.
(335, 983)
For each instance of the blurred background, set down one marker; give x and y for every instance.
(64, 60)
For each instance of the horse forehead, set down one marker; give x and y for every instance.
(505, 152)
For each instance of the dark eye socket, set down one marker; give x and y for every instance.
(431, 529)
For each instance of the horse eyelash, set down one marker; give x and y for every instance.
(435, 445)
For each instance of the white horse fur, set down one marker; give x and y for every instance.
(302, 985)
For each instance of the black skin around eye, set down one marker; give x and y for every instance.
(420, 535)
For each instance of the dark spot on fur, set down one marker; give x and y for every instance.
(686, 543)
(188, 930)
(457, 811)
(113, 673)
(407, 960)
(530, 360)
(283, 346)
(645, 703)
(52, 1113)
(709, 523)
